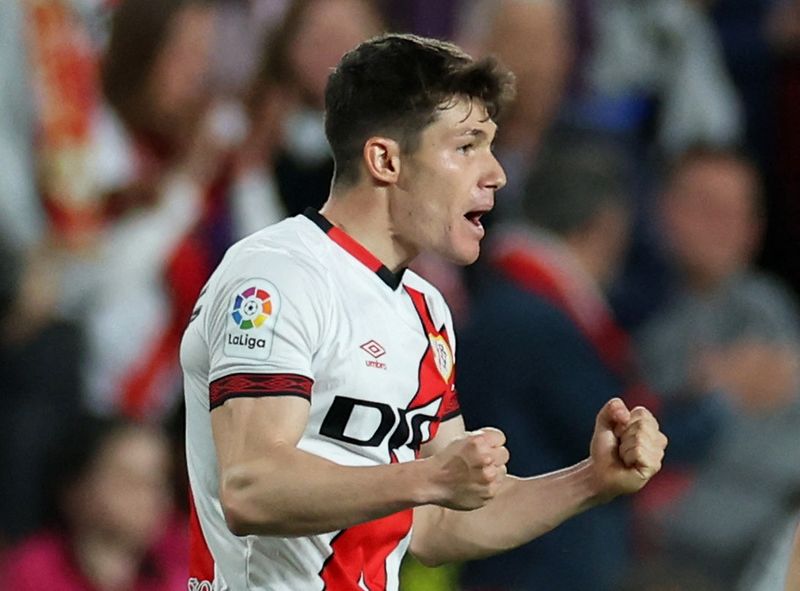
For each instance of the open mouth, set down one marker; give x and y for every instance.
(474, 216)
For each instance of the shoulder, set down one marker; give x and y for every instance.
(292, 252)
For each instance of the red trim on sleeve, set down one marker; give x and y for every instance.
(258, 385)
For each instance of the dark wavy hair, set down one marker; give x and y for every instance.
(395, 84)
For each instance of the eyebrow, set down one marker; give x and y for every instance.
(478, 134)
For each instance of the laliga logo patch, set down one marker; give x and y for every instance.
(442, 355)
(253, 312)
(251, 308)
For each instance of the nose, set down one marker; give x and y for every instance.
(495, 177)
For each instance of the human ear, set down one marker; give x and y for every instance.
(382, 159)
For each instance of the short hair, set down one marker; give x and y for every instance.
(395, 84)
(574, 179)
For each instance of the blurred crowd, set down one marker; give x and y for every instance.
(644, 247)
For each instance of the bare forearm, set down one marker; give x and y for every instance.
(295, 493)
(524, 509)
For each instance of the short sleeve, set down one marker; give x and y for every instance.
(264, 325)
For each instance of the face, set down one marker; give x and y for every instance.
(447, 184)
(318, 46)
(180, 74)
(125, 494)
(711, 219)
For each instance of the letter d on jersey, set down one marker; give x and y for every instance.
(254, 309)
(367, 423)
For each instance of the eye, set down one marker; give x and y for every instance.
(466, 148)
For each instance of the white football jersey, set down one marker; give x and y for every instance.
(301, 309)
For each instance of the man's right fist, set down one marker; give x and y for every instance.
(470, 470)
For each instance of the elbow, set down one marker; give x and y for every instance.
(429, 560)
(237, 526)
(235, 512)
(244, 514)
(425, 555)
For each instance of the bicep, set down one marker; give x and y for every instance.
(247, 428)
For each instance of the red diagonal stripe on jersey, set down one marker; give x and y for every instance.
(418, 298)
(244, 385)
(362, 550)
(431, 382)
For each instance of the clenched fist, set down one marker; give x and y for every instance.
(626, 449)
(469, 471)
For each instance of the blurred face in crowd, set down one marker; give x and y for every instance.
(447, 184)
(711, 218)
(534, 40)
(603, 242)
(179, 77)
(329, 28)
(124, 495)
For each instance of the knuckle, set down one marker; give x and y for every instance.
(488, 474)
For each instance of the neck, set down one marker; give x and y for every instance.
(107, 562)
(364, 214)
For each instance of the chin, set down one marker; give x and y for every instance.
(465, 257)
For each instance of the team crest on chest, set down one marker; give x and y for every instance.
(442, 355)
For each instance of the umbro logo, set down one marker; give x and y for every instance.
(374, 349)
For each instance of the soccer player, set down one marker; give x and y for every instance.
(323, 429)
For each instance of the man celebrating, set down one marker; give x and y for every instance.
(324, 437)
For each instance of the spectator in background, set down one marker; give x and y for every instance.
(110, 527)
(48, 87)
(161, 150)
(652, 74)
(535, 40)
(729, 331)
(40, 383)
(287, 100)
(543, 338)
